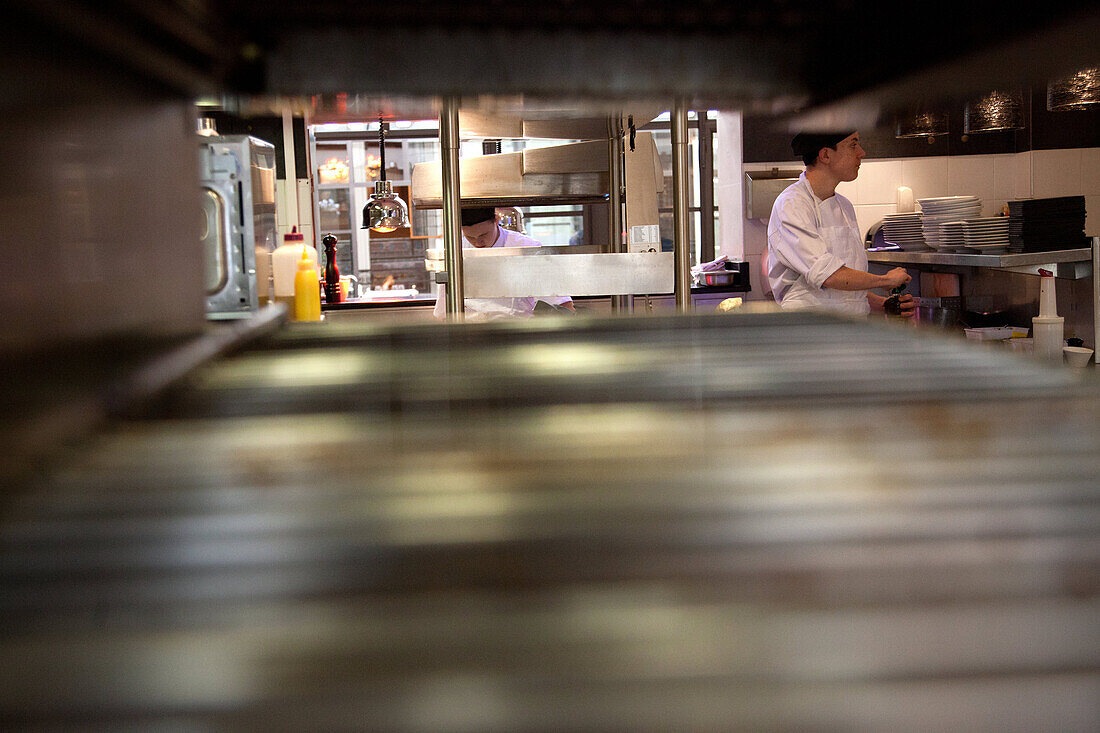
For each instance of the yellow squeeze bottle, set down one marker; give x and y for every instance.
(307, 290)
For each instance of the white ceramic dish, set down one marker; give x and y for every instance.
(946, 199)
(1077, 356)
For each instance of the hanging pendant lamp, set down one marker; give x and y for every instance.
(1074, 92)
(509, 217)
(992, 113)
(922, 124)
(385, 211)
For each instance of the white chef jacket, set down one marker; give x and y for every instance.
(808, 240)
(489, 308)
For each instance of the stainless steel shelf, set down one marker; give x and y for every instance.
(1026, 262)
(710, 521)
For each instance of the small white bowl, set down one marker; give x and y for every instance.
(1077, 356)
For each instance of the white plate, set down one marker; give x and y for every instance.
(933, 209)
(954, 216)
(949, 198)
(966, 212)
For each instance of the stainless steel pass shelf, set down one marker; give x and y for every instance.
(710, 521)
(1071, 263)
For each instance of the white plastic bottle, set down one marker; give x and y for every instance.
(284, 266)
(1048, 328)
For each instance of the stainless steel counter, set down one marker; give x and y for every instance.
(768, 521)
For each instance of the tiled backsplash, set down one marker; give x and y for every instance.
(997, 179)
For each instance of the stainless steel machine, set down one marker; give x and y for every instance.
(238, 229)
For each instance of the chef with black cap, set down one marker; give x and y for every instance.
(481, 230)
(816, 257)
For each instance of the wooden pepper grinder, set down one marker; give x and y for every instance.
(332, 272)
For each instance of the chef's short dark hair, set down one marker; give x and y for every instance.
(477, 214)
(807, 145)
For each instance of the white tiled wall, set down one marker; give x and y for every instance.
(973, 175)
(1056, 173)
(1069, 173)
(997, 179)
(926, 176)
(1021, 176)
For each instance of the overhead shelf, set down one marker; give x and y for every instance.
(571, 174)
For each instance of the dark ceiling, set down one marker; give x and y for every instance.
(776, 57)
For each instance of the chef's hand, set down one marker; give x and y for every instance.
(895, 278)
(908, 305)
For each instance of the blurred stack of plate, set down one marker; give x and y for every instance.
(904, 230)
(943, 209)
(951, 235)
(988, 235)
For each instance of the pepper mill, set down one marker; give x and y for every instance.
(892, 305)
(332, 272)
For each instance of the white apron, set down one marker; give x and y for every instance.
(844, 242)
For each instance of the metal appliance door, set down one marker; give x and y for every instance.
(215, 240)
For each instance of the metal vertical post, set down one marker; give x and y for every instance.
(1096, 294)
(452, 214)
(619, 303)
(680, 211)
(707, 130)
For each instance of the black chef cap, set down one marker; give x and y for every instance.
(478, 214)
(807, 144)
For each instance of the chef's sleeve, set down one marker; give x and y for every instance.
(795, 240)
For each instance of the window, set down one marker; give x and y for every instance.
(348, 162)
(701, 183)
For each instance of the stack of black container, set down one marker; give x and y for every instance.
(1044, 225)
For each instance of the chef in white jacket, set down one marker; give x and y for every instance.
(480, 229)
(816, 257)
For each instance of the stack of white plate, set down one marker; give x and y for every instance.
(904, 230)
(988, 235)
(952, 235)
(943, 209)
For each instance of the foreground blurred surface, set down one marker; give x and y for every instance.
(769, 521)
